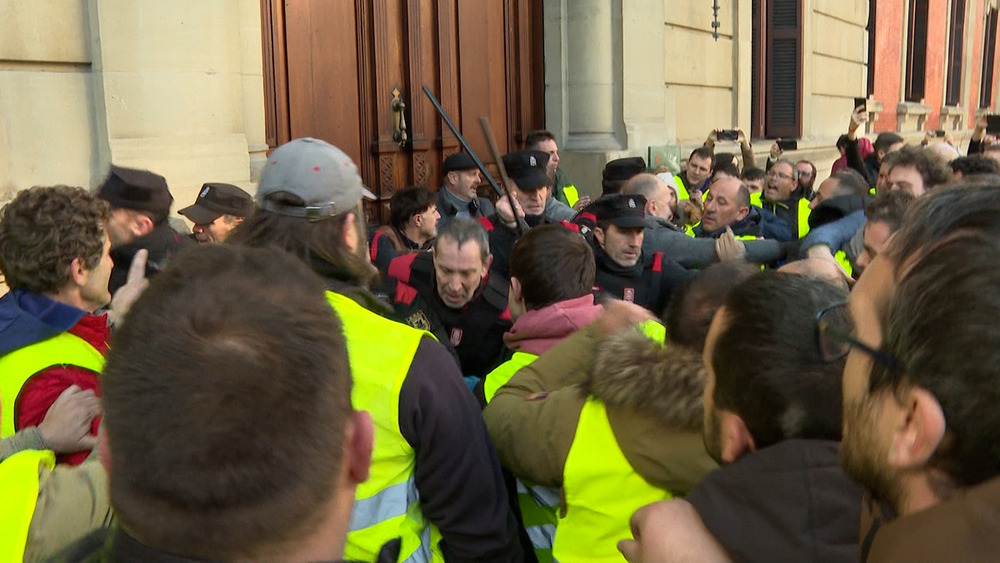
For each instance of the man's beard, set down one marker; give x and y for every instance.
(863, 458)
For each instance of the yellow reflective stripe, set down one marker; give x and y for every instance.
(18, 497)
(601, 489)
(804, 212)
(502, 373)
(388, 503)
(841, 257)
(571, 194)
(18, 366)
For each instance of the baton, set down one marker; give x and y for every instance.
(521, 225)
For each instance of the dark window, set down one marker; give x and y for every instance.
(784, 68)
(871, 47)
(953, 91)
(989, 60)
(916, 51)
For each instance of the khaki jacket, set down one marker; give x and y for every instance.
(72, 502)
(652, 395)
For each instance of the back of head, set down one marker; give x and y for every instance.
(646, 185)
(727, 168)
(974, 164)
(553, 264)
(137, 190)
(889, 208)
(843, 141)
(767, 364)
(695, 302)
(941, 327)
(619, 171)
(850, 183)
(308, 191)
(408, 202)
(724, 160)
(226, 430)
(972, 205)
(43, 229)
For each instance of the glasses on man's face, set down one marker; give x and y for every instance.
(834, 326)
(780, 175)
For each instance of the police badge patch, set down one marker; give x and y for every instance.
(419, 320)
(629, 295)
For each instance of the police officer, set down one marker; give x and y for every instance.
(218, 209)
(452, 293)
(458, 197)
(624, 271)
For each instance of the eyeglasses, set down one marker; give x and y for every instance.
(833, 335)
(781, 175)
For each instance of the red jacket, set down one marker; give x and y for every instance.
(43, 388)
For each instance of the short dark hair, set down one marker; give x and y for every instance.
(941, 326)
(974, 164)
(695, 302)
(843, 141)
(537, 137)
(463, 230)
(932, 170)
(889, 208)
(194, 467)
(972, 205)
(553, 264)
(722, 159)
(768, 368)
(727, 168)
(753, 173)
(886, 140)
(408, 202)
(703, 152)
(43, 229)
(850, 182)
(317, 243)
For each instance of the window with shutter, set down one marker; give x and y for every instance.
(916, 51)
(956, 43)
(989, 60)
(871, 47)
(784, 68)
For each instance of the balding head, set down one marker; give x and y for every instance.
(660, 199)
(817, 268)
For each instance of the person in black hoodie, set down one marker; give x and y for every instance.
(624, 271)
(140, 204)
(772, 408)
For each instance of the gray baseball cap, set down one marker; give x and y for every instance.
(319, 178)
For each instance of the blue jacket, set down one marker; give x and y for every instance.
(835, 235)
(27, 318)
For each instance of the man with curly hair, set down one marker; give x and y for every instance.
(54, 256)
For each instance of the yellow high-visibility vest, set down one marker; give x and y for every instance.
(386, 506)
(18, 366)
(18, 497)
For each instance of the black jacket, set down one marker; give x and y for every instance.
(162, 242)
(787, 502)
(649, 283)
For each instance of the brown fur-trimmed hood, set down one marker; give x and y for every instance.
(666, 381)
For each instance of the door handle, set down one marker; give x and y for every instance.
(398, 118)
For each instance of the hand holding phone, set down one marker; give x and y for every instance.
(788, 144)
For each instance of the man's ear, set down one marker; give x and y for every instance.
(515, 289)
(742, 213)
(349, 232)
(918, 430)
(735, 437)
(487, 264)
(142, 225)
(358, 444)
(78, 271)
(417, 220)
(599, 236)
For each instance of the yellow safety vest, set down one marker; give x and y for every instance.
(682, 192)
(841, 257)
(601, 489)
(18, 366)
(572, 194)
(503, 372)
(386, 506)
(803, 212)
(18, 496)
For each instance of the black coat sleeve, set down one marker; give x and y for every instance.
(458, 476)
(502, 241)
(854, 160)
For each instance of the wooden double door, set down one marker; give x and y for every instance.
(351, 72)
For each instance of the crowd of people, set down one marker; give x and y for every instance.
(729, 363)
